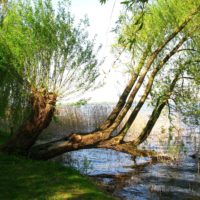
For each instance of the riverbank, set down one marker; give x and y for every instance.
(26, 179)
(22, 179)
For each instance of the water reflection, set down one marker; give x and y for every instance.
(142, 180)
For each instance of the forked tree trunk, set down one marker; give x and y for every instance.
(118, 140)
(123, 98)
(43, 104)
(147, 90)
(43, 107)
(156, 114)
(97, 139)
(123, 111)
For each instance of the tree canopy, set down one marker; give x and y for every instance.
(144, 30)
(51, 51)
(42, 47)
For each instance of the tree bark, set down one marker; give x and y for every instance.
(149, 85)
(43, 104)
(120, 104)
(156, 113)
(55, 148)
(153, 56)
(122, 100)
(43, 107)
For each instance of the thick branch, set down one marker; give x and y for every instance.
(52, 149)
(126, 92)
(70, 143)
(146, 69)
(43, 107)
(148, 88)
(156, 113)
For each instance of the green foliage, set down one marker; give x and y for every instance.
(14, 105)
(127, 3)
(41, 47)
(13, 95)
(146, 29)
(51, 51)
(153, 23)
(81, 102)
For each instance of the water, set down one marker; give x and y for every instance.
(142, 180)
(163, 181)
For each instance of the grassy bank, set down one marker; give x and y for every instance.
(3, 137)
(22, 179)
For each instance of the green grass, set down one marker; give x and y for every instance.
(23, 179)
(27, 179)
(3, 136)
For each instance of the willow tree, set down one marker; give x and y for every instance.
(179, 52)
(50, 56)
(159, 38)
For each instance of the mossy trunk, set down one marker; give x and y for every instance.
(43, 107)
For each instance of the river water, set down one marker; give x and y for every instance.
(140, 179)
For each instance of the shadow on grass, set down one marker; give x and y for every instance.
(22, 179)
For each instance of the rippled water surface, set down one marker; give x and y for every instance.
(140, 180)
(143, 180)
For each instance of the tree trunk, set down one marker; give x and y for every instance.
(55, 148)
(122, 100)
(155, 114)
(147, 130)
(43, 107)
(97, 139)
(153, 56)
(149, 85)
(43, 104)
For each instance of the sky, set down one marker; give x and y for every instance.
(102, 19)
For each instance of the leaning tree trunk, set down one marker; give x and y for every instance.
(43, 104)
(43, 107)
(148, 88)
(95, 139)
(155, 114)
(117, 140)
(120, 104)
(123, 98)
(123, 111)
